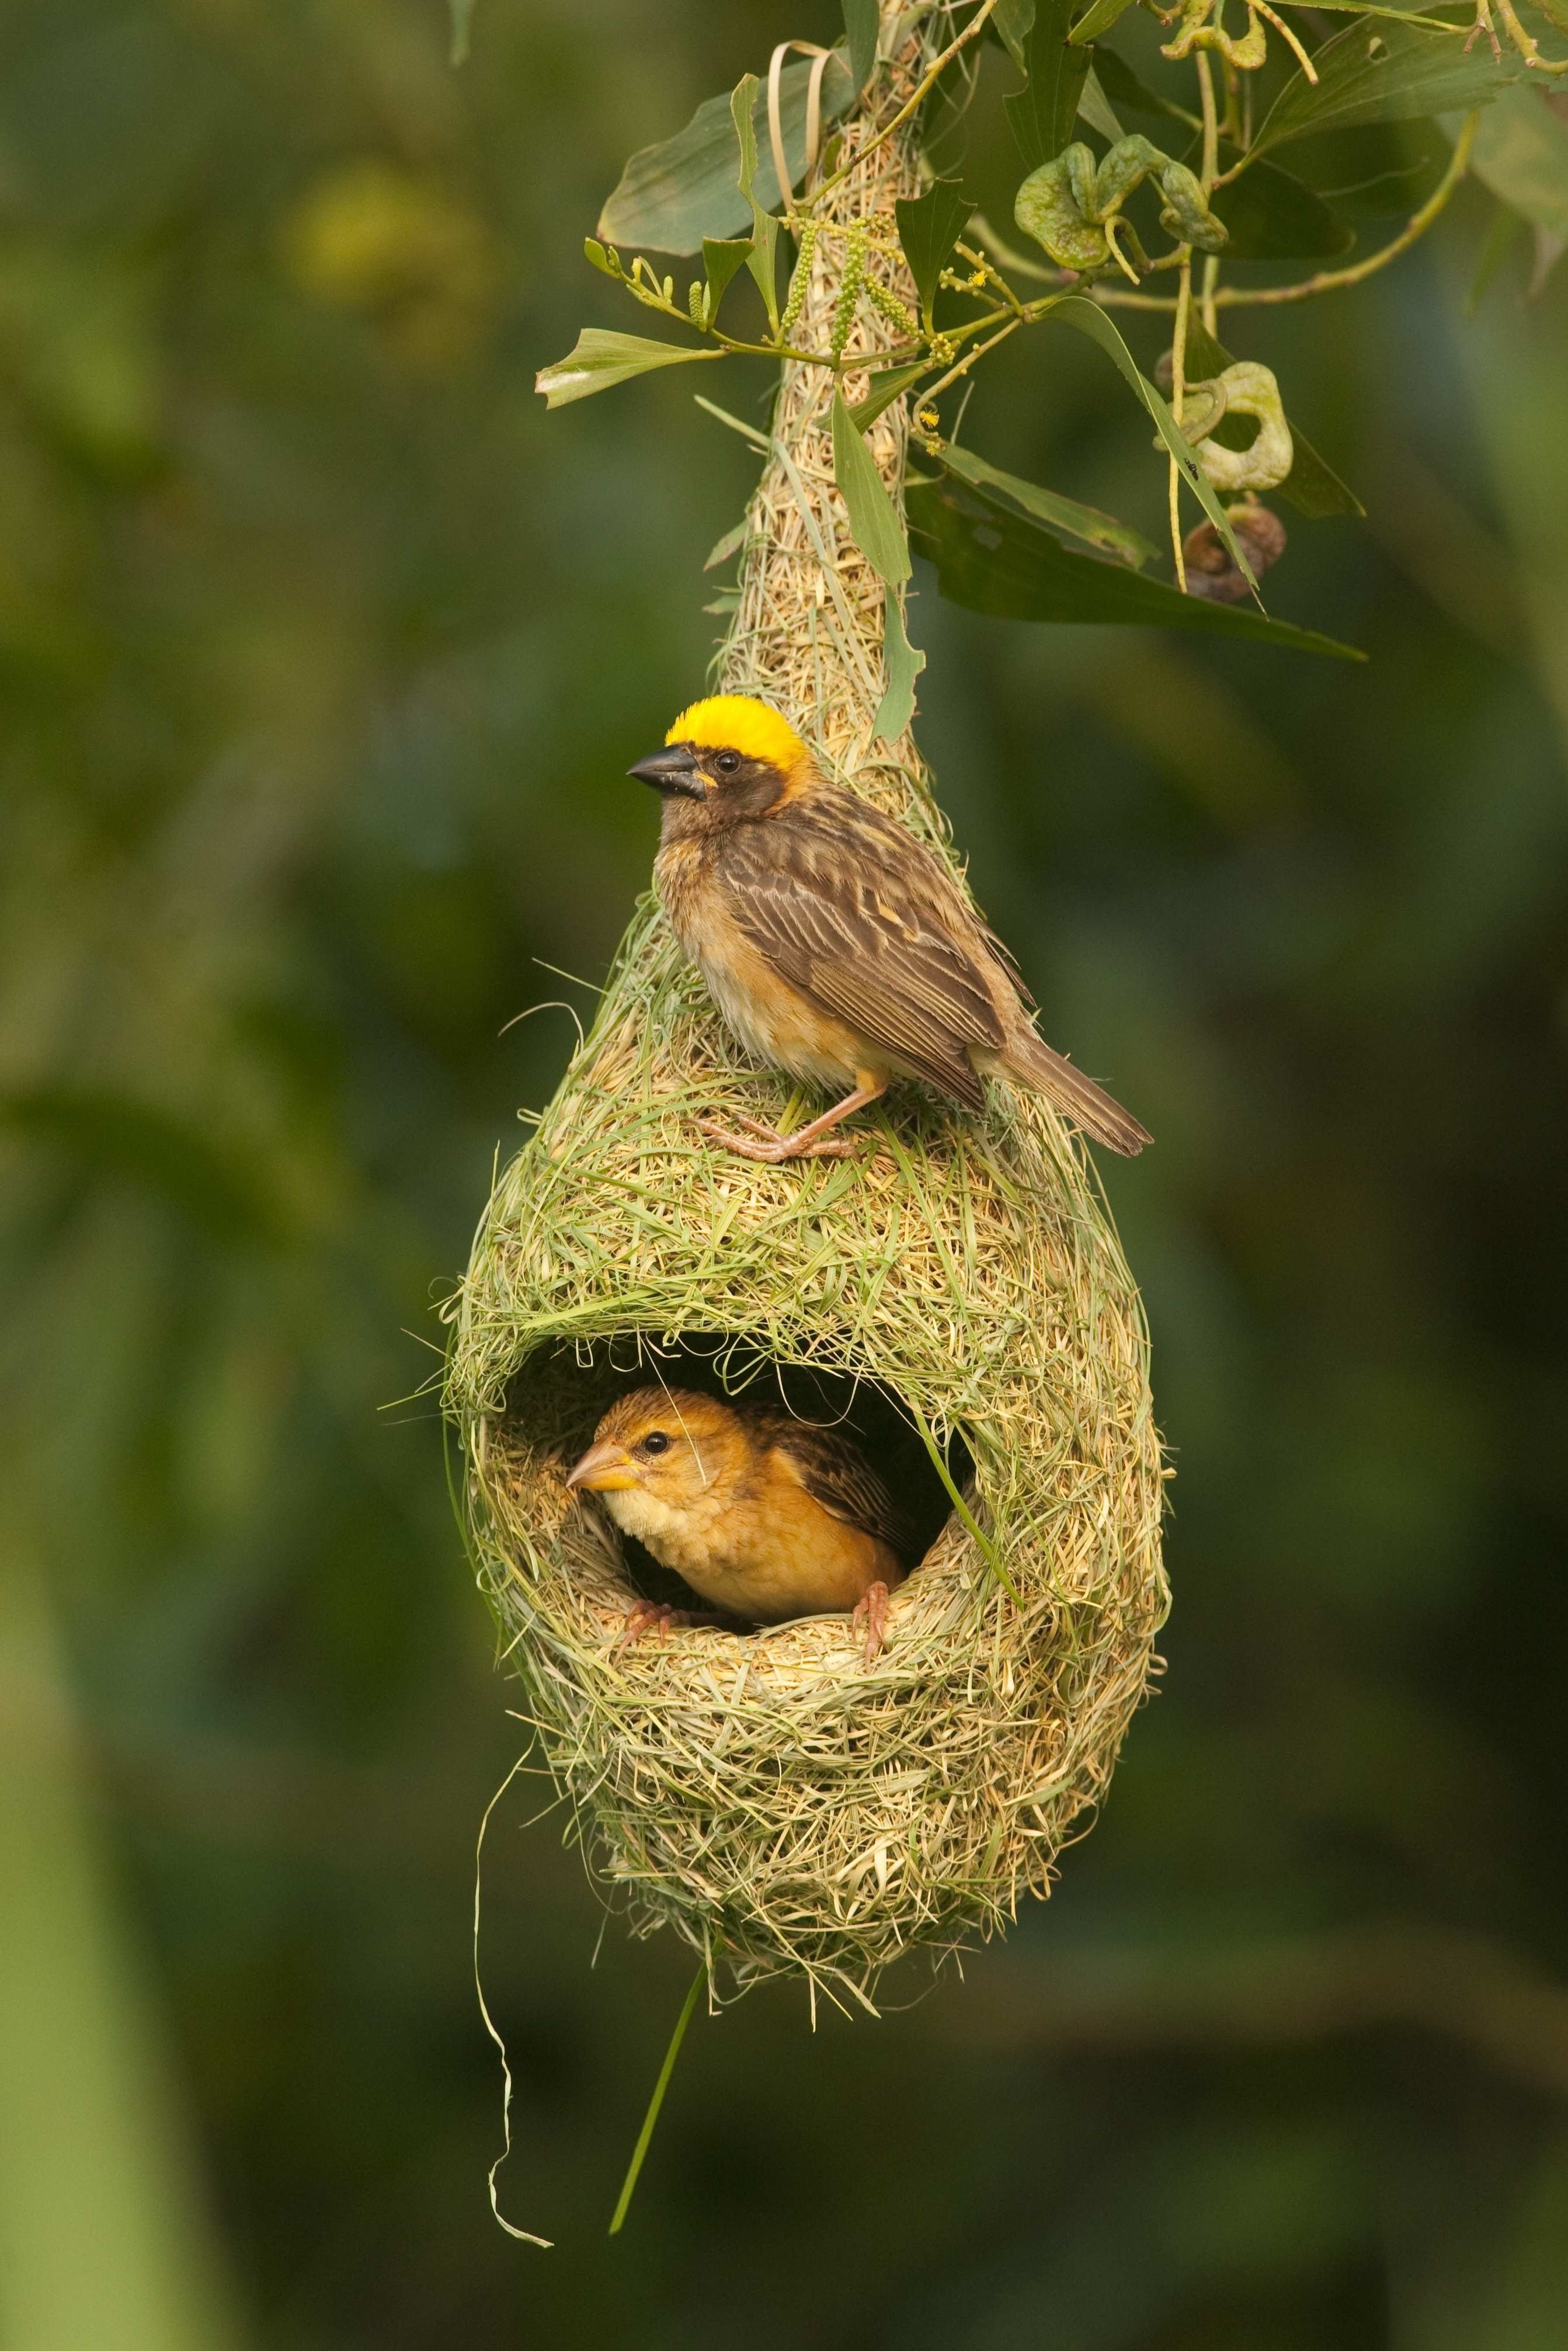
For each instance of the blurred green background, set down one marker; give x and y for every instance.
(324, 651)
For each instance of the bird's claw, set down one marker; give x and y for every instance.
(870, 1610)
(652, 1615)
(1483, 24)
(771, 1147)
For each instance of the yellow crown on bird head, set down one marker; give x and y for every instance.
(739, 722)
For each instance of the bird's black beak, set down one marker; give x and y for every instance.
(674, 771)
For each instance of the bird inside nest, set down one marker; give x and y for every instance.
(837, 945)
(766, 1516)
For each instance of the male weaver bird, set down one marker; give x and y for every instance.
(767, 1516)
(836, 945)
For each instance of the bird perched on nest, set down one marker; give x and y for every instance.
(767, 1516)
(838, 947)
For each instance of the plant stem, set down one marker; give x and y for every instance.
(966, 363)
(1179, 385)
(1210, 121)
(1328, 281)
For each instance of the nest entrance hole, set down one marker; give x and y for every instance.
(557, 1398)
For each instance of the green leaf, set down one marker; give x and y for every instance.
(1312, 486)
(722, 257)
(1096, 20)
(1384, 72)
(594, 254)
(929, 227)
(601, 357)
(1372, 171)
(1076, 311)
(1042, 113)
(1097, 530)
(1095, 110)
(1273, 216)
(762, 254)
(873, 518)
(885, 389)
(671, 195)
(727, 546)
(903, 663)
(992, 560)
(1122, 88)
(862, 19)
(1522, 154)
(1011, 26)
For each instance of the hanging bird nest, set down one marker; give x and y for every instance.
(956, 1290)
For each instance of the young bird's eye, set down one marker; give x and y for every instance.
(726, 764)
(654, 1442)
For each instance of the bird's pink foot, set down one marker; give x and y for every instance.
(870, 1610)
(652, 1615)
(771, 1147)
(1483, 24)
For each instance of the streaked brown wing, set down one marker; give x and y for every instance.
(836, 1473)
(864, 920)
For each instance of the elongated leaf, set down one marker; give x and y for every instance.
(873, 519)
(860, 26)
(992, 560)
(1042, 113)
(722, 257)
(1273, 216)
(762, 258)
(1094, 109)
(727, 546)
(1522, 154)
(671, 195)
(601, 357)
(1312, 486)
(929, 227)
(1096, 530)
(1011, 26)
(1077, 310)
(1097, 19)
(747, 432)
(1385, 72)
(903, 663)
(885, 389)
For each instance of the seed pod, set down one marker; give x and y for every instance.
(1210, 573)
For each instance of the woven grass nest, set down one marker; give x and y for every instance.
(956, 1290)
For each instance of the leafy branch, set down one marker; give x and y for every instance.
(744, 185)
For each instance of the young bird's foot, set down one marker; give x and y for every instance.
(773, 1148)
(871, 1609)
(651, 1615)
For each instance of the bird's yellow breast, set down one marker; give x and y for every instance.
(772, 1019)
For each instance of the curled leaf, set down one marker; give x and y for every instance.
(1065, 204)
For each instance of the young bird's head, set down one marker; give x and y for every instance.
(661, 1455)
(725, 759)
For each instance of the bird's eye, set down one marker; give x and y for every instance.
(727, 762)
(654, 1442)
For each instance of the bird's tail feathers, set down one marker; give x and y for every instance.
(1029, 1060)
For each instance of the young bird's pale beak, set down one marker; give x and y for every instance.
(605, 1469)
(671, 770)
